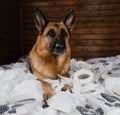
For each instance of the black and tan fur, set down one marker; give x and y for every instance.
(50, 54)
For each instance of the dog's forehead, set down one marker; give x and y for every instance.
(55, 25)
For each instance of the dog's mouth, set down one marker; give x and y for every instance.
(57, 48)
(58, 52)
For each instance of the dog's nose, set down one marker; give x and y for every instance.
(58, 48)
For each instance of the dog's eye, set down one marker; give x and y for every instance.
(51, 33)
(63, 33)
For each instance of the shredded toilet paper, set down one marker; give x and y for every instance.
(22, 94)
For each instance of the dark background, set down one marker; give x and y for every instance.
(96, 32)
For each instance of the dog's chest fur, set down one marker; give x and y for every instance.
(45, 65)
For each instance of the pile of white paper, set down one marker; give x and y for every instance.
(22, 94)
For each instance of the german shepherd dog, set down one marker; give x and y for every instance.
(50, 55)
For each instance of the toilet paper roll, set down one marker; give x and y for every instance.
(83, 76)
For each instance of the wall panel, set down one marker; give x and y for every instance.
(97, 28)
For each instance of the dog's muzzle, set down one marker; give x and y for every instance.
(58, 48)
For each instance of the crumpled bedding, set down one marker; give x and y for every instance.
(21, 93)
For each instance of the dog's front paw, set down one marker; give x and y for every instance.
(48, 94)
(48, 90)
(67, 87)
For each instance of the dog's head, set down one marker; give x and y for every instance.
(55, 35)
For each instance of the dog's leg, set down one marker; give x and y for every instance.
(47, 89)
(48, 92)
(65, 68)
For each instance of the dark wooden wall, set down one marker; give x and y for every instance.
(96, 32)
(97, 28)
(9, 31)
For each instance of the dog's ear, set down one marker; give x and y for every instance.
(40, 19)
(69, 20)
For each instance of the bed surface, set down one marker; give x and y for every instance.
(21, 93)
